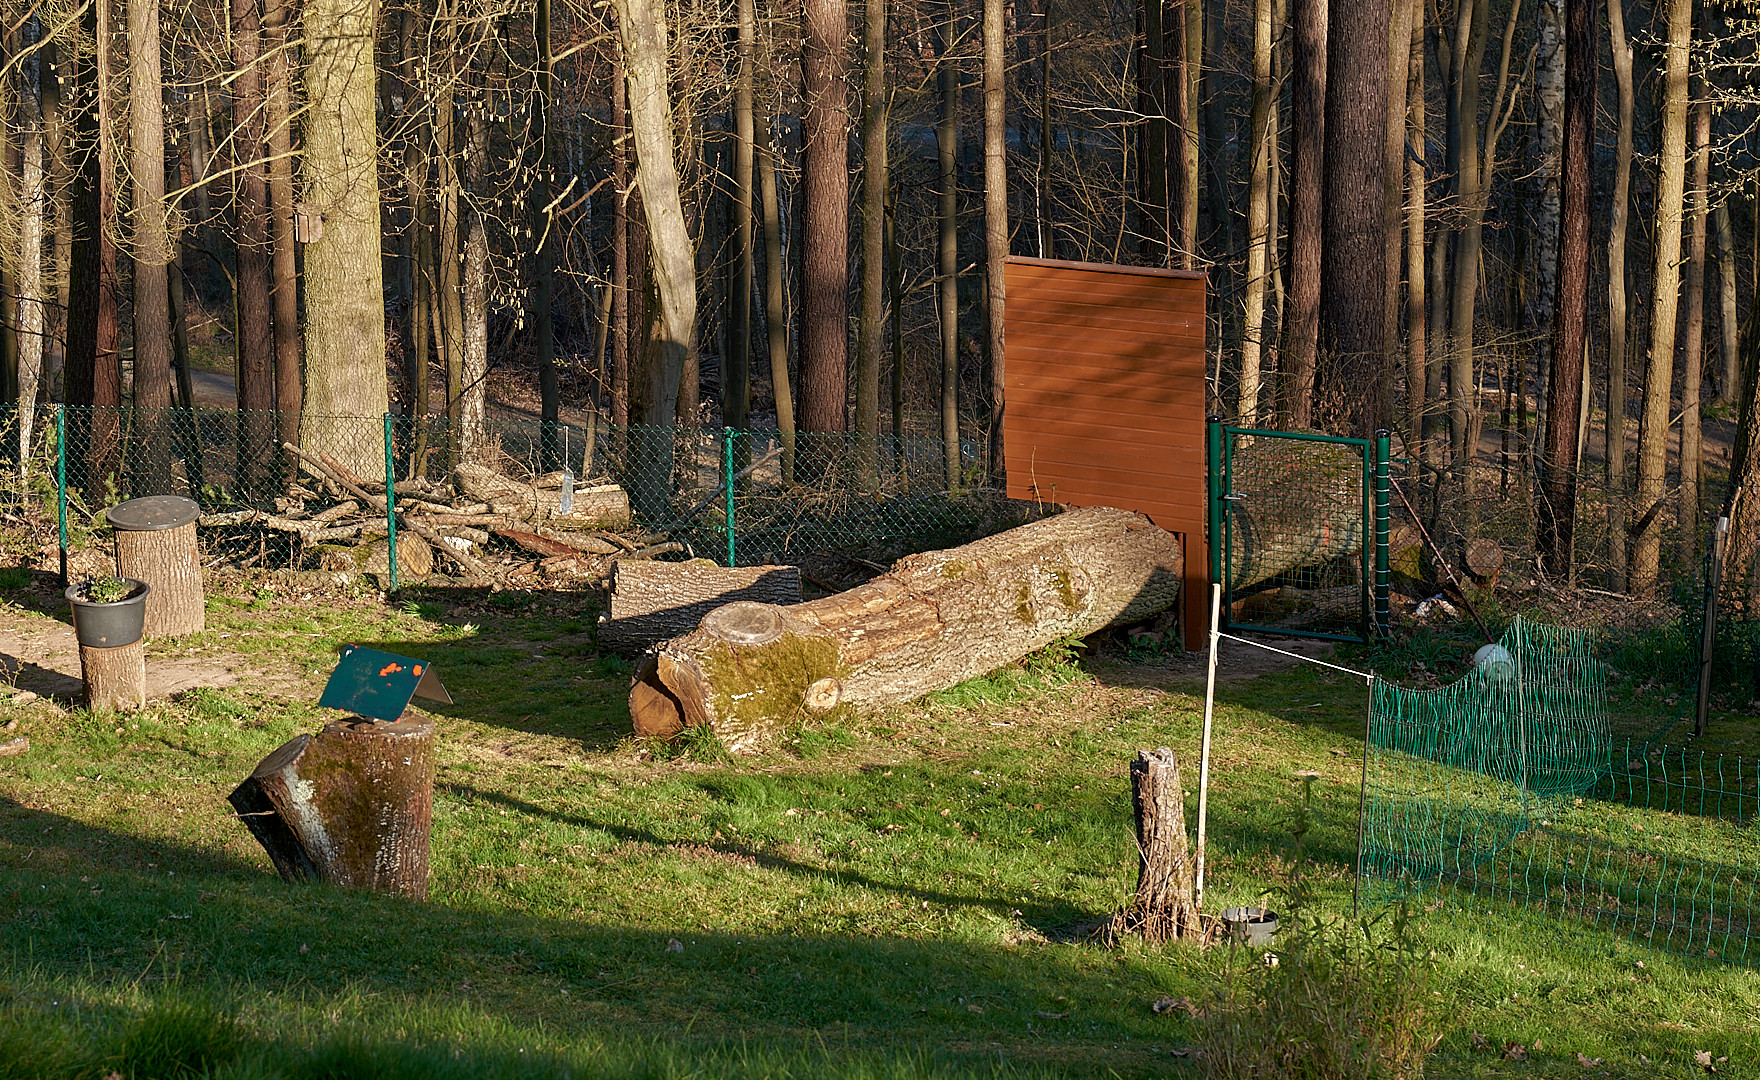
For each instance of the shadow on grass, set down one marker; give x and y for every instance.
(128, 924)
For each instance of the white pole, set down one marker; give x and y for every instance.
(1204, 756)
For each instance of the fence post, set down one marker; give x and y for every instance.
(1382, 446)
(61, 484)
(727, 437)
(390, 505)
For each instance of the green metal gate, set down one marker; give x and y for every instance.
(1298, 532)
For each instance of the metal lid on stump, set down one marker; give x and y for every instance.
(153, 513)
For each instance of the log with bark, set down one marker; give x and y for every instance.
(1294, 505)
(650, 602)
(351, 805)
(115, 679)
(594, 505)
(936, 619)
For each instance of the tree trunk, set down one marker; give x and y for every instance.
(1354, 265)
(31, 323)
(93, 369)
(934, 620)
(1543, 255)
(345, 286)
(115, 679)
(1307, 175)
(352, 806)
(642, 29)
(543, 227)
(1259, 238)
(947, 250)
(150, 447)
(620, 269)
(1153, 208)
(1470, 34)
(171, 562)
(277, 15)
(1617, 336)
(1393, 174)
(1570, 331)
(1047, 237)
(253, 323)
(824, 216)
(1164, 908)
(653, 601)
(775, 308)
(59, 177)
(1693, 341)
(1665, 298)
(474, 396)
(1420, 396)
(736, 389)
(1728, 323)
(449, 325)
(871, 333)
(1185, 23)
(995, 222)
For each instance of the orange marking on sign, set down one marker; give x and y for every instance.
(389, 668)
(417, 670)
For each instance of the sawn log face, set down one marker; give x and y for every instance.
(936, 619)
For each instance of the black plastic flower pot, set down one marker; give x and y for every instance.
(109, 626)
(1250, 925)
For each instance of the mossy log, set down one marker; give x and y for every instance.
(352, 805)
(936, 619)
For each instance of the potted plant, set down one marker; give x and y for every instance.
(108, 613)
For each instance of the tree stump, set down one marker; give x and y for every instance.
(652, 601)
(935, 619)
(352, 805)
(156, 543)
(1164, 908)
(116, 679)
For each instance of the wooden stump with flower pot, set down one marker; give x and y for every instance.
(108, 617)
(156, 543)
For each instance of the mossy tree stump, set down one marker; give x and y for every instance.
(934, 620)
(352, 805)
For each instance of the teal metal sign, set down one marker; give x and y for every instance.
(379, 684)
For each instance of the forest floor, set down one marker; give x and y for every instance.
(908, 893)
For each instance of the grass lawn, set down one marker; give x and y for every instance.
(905, 894)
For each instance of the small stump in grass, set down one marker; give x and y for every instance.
(1164, 909)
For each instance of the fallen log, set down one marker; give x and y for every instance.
(602, 504)
(352, 805)
(934, 620)
(653, 601)
(1295, 505)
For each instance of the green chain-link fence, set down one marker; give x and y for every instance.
(1505, 791)
(829, 496)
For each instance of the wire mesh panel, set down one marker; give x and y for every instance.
(1505, 792)
(1296, 517)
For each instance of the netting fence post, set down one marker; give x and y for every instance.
(390, 504)
(1382, 447)
(727, 437)
(61, 484)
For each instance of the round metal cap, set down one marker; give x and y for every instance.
(153, 513)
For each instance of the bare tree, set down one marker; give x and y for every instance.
(1307, 175)
(871, 335)
(824, 216)
(995, 220)
(277, 15)
(1693, 338)
(1616, 298)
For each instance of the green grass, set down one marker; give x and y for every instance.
(897, 895)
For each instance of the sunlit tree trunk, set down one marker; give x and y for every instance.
(1693, 339)
(1617, 336)
(543, 231)
(620, 272)
(253, 326)
(824, 216)
(871, 335)
(1301, 325)
(150, 448)
(1728, 323)
(1399, 54)
(736, 390)
(995, 220)
(1570, 331)
(1469, 53)
(277, 14)
(1665, 298)
(1420, 394)
(344, 276)
(474, 400)
(775, 308)
(31, 324)
(947, 250)
(1259, 239)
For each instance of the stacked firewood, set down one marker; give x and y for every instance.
(487, 525)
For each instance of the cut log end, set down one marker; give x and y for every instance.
(824, 695)
(744, 623)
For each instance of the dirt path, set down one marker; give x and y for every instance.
(42, 656)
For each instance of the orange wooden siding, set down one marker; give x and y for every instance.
(1104, 399)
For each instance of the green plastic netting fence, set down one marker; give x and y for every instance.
(1505, 792)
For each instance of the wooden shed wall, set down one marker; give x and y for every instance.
(1104, 398)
